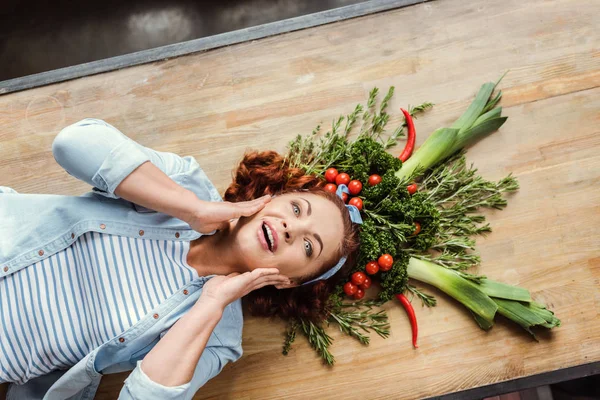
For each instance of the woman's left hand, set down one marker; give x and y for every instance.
(224, 289)
(211, 215)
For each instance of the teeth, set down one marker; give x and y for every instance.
(270, 236)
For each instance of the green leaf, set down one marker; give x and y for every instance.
(483, 323)
(494, 113)
(451, 283)
(523, 315)
(504, 291)
(435, 149)
(471, 135)
(474, 111)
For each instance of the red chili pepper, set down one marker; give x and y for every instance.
(411, 316)
(410, 140)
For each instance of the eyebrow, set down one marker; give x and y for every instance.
(316, 235)
(308, 203)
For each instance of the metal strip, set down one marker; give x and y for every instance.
(202, 44)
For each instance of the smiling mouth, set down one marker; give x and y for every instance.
(268, 236)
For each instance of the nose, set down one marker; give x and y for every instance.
(286, 231)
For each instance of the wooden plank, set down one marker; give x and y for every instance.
(216, 105)
(202, 44)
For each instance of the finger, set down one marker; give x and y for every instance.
(276, 277)
(271, 280)
(261, 200)
(258, 272)
(268, 282)
(248, 208)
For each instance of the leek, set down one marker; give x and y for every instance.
(481, 118)
(484, 297)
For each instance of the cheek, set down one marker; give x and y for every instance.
(293, 262)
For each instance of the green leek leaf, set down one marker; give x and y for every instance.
(504, 291)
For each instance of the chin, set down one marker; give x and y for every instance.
(249, 245)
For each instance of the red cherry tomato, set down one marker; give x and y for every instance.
(385, 262)
(360, 293)
(356, 202)
(412, 189)
(331, 174)
(330, 187)
(350, 288)
(374, 180)
(366, 284)
(354, 187)
(342, 179)
(417, 228)
(345, 197)
(372, 267)
(358, 278)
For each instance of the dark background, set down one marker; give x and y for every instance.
(37, 36)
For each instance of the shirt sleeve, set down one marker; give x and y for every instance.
(138, 386)
(101, 155)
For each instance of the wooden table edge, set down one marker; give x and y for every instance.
(525, 382)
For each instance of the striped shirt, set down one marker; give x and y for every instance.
(55, 312)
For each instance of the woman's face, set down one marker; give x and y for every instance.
(296, 232)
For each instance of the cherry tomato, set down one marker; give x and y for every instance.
(354, 187)
(330, 187)
(417, 228)
(358, 278)
(356, 202)
(345, 197)
(350, 288)
(412, 189)
(342, 179)
(385, 262)
(360, 293)
(366, 284)
(331, 174)
(374, 180)
(372, 267)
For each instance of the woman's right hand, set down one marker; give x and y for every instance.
(224, 289)
(211, 215)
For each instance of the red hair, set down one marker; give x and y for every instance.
(267, 172)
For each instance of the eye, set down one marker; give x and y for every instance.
(296, 209)
(308, 248)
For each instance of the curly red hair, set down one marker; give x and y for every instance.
(267, 172)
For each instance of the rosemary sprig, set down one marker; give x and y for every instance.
(426, 299)
(290, 336)
(318, 339)
(351, 321)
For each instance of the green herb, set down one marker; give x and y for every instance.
(447, 206)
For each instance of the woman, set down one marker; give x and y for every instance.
(147, 271)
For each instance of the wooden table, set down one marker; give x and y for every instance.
(218, 104)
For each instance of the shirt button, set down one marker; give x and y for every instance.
(141, 232)
(155, 316)
(72, 236)
(5, 269)
(121, 339)
(41, 252)
(185, 292)
(102, 226)
(177, 235)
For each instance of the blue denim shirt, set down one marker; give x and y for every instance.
(33, 227)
